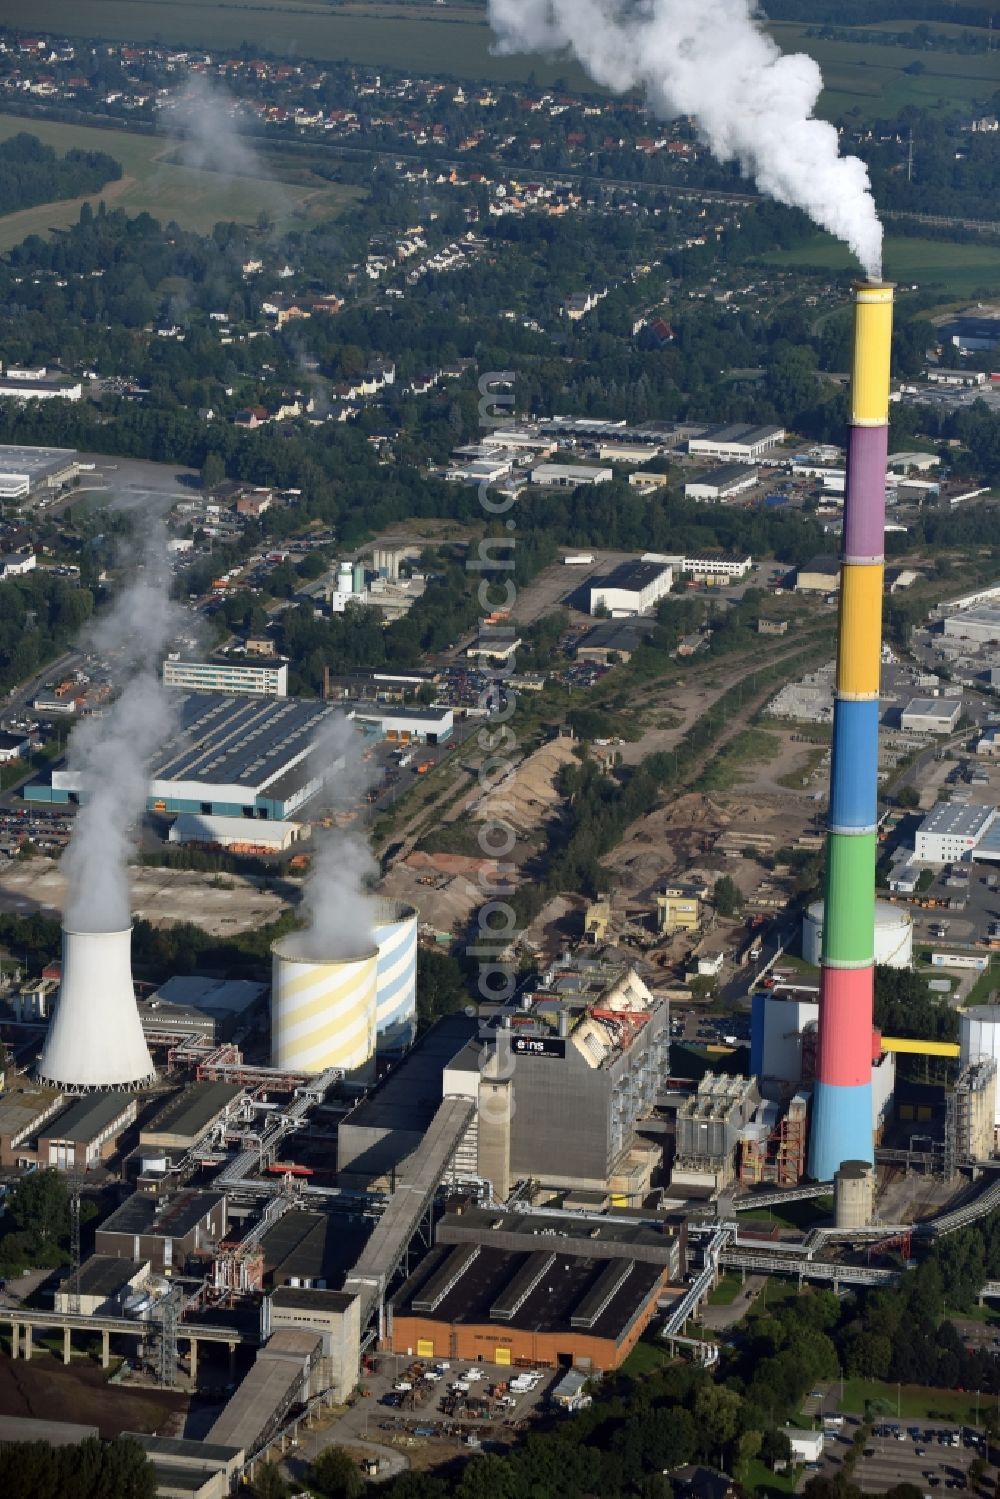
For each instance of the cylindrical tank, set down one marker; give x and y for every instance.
(323, 1011)
(358, 577)
(396, 938)
(95, 1038)
(893, 934)
(979, 1037)
(345, 578)
(854, 1195)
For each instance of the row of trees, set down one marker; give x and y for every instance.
(31, 173)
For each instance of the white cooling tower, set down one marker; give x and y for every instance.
(323, 1012)
(95, 1039)
(396, 939)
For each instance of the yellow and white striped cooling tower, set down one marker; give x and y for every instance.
(396, 938)
(323, 1012)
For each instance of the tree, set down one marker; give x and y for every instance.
(213, 471)
(908, 796)
(775, 1447)
(39, 1206)
(269, 1484)
(336, 1474)
(727, 896)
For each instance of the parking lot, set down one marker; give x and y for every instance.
(934, 1456)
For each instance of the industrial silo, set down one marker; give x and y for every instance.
(396, 939)
(323, 1010)
(95, 1038)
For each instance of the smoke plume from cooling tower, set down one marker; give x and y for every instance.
(113, 753)
(205, 124)
(708, 59)
(340, 913)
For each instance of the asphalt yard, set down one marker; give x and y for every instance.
(921, 1453)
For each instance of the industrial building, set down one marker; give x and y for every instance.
(87, 1133)
(980, 626)
(736, 444)
(931, 715)
(189, 1116)
(24, 1111)
(709, 1126)
(103, 1285)
(979, 1040)
(722, 483)
(633, 588)
(950, 831)
(492, 1290)
(818, 575)
(257, 678)
(678, 909)
(38, 385)
(611, 640)
(230, 756)
(379, 1135)
(171, 1233)
(192, 1005)
(893, 934)
(236, 834)
(433, 725)
(570, 475)
(26, 472)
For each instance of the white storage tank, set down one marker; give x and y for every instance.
(396, 938)
(979, 1037)
(893, 935)
(323, 1010)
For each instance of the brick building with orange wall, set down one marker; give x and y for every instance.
(550, 1293)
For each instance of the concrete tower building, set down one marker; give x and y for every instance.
(842, 1109)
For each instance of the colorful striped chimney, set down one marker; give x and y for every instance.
(842, 1104)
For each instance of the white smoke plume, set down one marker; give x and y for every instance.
(113, 753)
(205, 124)
(339, 910)
(708, 59)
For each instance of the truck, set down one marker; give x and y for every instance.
(404, 759)
(424, 767)
(578, 559)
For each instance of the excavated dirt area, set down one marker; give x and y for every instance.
(220, 904)
(45, 1389)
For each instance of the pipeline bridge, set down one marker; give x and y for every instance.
(24, 1322)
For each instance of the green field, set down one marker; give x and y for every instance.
(455, 39)
(960, 269)
(913, 1401)
(196, 199)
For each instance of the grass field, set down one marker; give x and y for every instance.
(913, 1401)
(456, 40)
(726, 1291)
(960, 269)
(196, 199)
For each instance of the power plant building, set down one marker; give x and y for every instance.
(560, 1090)
(979, 1041)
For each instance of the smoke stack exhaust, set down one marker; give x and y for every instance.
(95, 1038)
(842, 1107)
